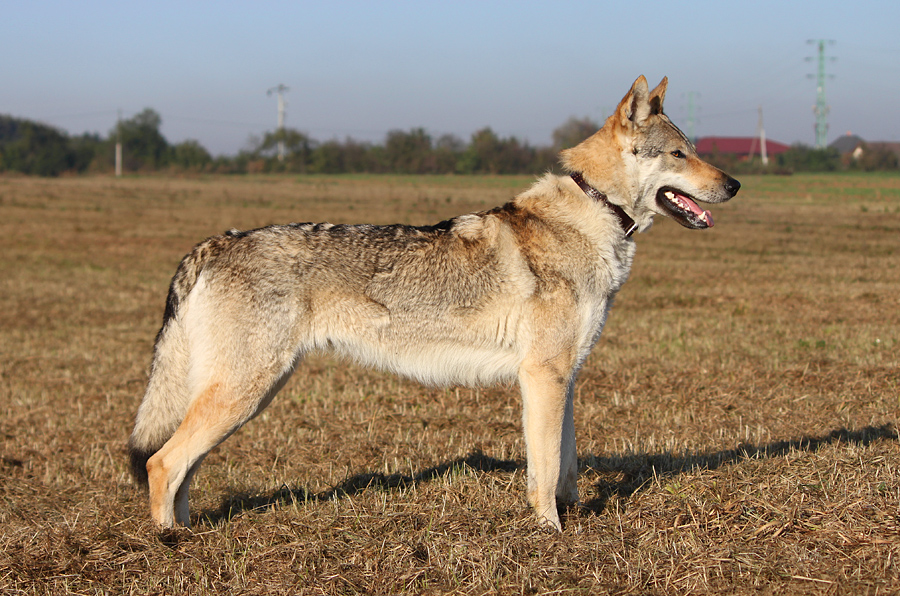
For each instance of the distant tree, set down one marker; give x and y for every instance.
(189, 155)
(143, 145)
(875, 158)
(447, 151)
(545, 159)
(226, 165)
(802, 158)
(489, 154)
(482, 154)
(241, 161)
(86, 150)
(9, 129)
(409, 152)
(33, 148)
(328, 158)
(351, 156)
(298, 149)
(515, 157)
(572, 132)
(358, 157)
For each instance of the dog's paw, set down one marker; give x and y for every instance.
(549, 520)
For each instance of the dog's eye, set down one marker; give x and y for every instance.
(677, 153)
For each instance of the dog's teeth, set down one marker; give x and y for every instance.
(670, 194)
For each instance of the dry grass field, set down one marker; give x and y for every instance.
(736, 423)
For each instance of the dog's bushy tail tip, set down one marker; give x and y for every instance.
(139, 458)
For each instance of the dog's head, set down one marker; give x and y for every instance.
(644, 163)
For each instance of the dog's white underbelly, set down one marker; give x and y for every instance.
(437, 363)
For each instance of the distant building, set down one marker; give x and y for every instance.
(849, 144)
(889, 146)
(854, 146)
(741, 147)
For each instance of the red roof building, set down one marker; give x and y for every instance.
(740, 146)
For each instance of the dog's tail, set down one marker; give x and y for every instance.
(167, 397)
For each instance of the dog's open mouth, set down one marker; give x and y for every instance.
(684, 209)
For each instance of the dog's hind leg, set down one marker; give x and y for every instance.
(220, 409)
(549, 438)
(182, 508)
(212, 416)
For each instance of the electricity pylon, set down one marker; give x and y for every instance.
(821, 108)
(280, 90)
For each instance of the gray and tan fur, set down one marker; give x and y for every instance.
(517, 293)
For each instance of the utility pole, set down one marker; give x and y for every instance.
(762, 140)
(280, 91)
(821, 108)
(119, 145)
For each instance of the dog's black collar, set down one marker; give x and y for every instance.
(628, 224)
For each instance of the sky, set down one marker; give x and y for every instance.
(360, 69)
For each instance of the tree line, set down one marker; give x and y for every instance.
(38, 149)
(803, 158)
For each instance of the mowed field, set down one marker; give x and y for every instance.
(736, 423)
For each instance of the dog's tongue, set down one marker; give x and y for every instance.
(689, 205)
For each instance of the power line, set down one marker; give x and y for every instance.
(81, 114)
(217, 122)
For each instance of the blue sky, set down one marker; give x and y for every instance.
(362, 68)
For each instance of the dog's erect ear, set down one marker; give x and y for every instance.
(658, 95)
(635, 106)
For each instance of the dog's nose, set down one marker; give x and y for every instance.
(732, 186)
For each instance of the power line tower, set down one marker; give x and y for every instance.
(280, 90)
(821, 108)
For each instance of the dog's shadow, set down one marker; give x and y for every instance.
(633, 471)
(235, 505)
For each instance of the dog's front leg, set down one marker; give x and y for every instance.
(549, 426)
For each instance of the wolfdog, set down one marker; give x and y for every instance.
(519, 292)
